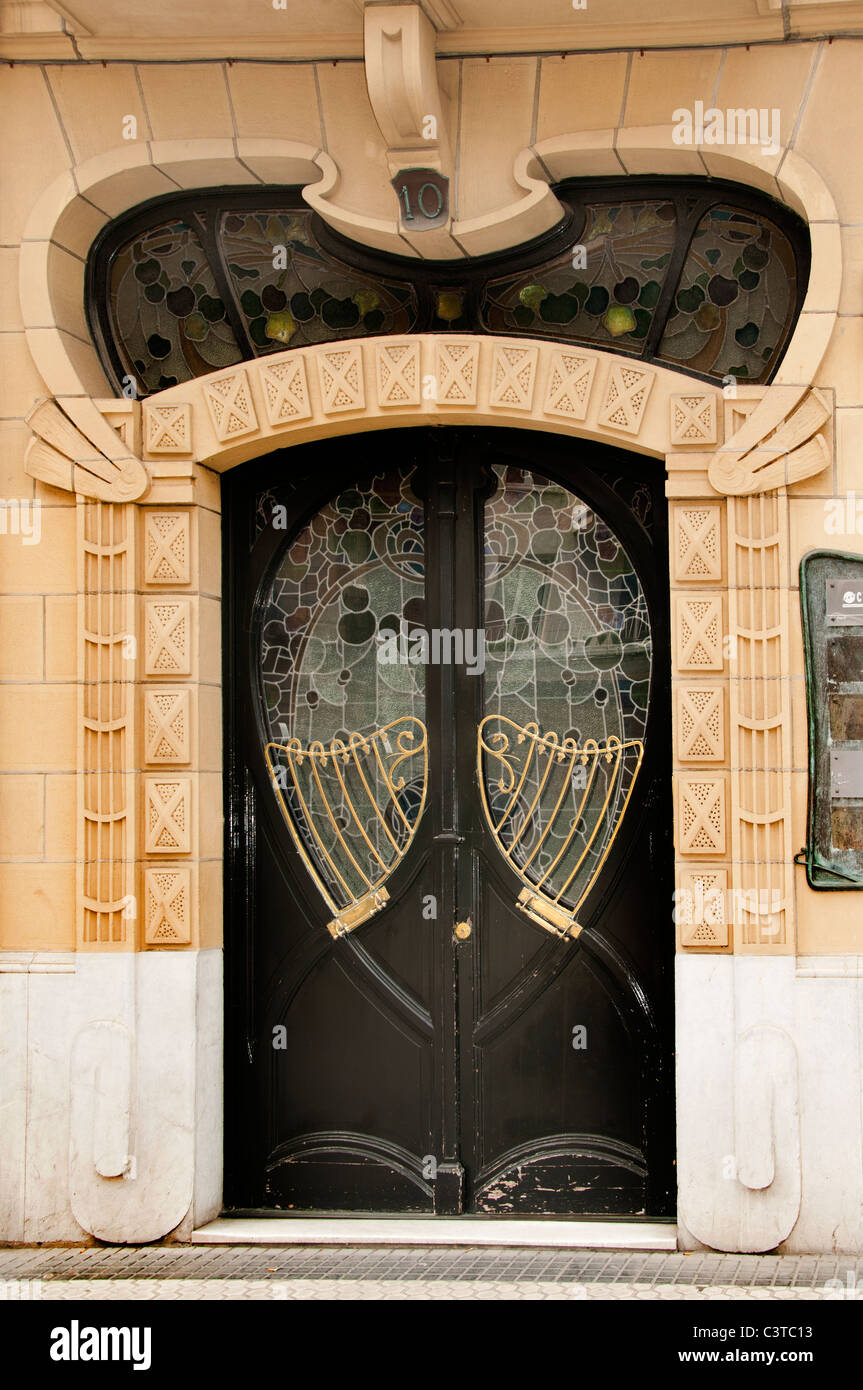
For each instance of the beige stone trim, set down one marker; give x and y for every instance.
(728, 564)
(236, 414)
(82, 200)
(549, 33)
(401, 77)
(118, 452)
(93, 464)
(760, 694)
(107, 634)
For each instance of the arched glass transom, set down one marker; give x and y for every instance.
(702, 276)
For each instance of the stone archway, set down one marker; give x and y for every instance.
(148, 904)
(149, 705)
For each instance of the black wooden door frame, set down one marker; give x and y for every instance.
(330, 466)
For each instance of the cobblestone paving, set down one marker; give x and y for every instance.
(414, 1272)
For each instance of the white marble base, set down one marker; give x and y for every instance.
(437, 1230)
(110, 1093)
(769, 1113)
(111, 1110)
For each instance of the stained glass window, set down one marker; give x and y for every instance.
(335, 658)
(610, 298)
(700, 275)
(737, 289)
(568, 661)
(566, 619)
(291, 294)
(171, 320)
(353, 575)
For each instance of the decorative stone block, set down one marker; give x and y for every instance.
(167, 547)
(167, 733)
(569, 384)
(626, 395)
(697, 543)
(230, 404)
(167, 429)
(701, 816)
(457, 372)
(700, 723)
(736, 411)
(701, 909)
(124, 416)
(398, 373)
(167, 815)
(340, 372)
(698, 633)
(286, 390)
(693, 419)
(513, 377)
(167, 637)
(168, 906)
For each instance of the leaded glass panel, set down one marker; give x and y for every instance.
(696, 273)
(567, 682)
(627, 249)
(291, 294)
(736, 293)
(345, 728)
(171, 320)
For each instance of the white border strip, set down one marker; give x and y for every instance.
(572, 1235)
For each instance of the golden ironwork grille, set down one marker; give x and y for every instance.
(554, 807)
(352, 808)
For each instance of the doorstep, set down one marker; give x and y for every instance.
(362, 1230)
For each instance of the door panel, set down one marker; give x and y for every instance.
(521, 1065)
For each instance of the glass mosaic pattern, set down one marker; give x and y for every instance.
(171, 322)
(222, 282)
(353, 575)
(568, 650)
(308, 299)
(736, 294)
(627, 250)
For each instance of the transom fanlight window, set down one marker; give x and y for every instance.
(702, 276)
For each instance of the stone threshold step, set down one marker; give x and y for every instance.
(463, 1230)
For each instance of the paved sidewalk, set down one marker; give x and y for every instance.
(414, 1272)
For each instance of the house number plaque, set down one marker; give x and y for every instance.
(423, 196)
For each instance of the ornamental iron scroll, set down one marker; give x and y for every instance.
(554, 808)
(352, 809)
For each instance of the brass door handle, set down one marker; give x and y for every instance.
(463, 929)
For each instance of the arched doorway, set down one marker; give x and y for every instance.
(448, 751)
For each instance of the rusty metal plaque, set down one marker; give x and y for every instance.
(846, 773)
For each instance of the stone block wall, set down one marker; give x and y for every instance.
(110, 665)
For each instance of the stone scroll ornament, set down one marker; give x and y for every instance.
(76, 449)
(780, 443)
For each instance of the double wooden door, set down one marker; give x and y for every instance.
(448, 847)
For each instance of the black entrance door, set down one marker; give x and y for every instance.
(448, 862)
